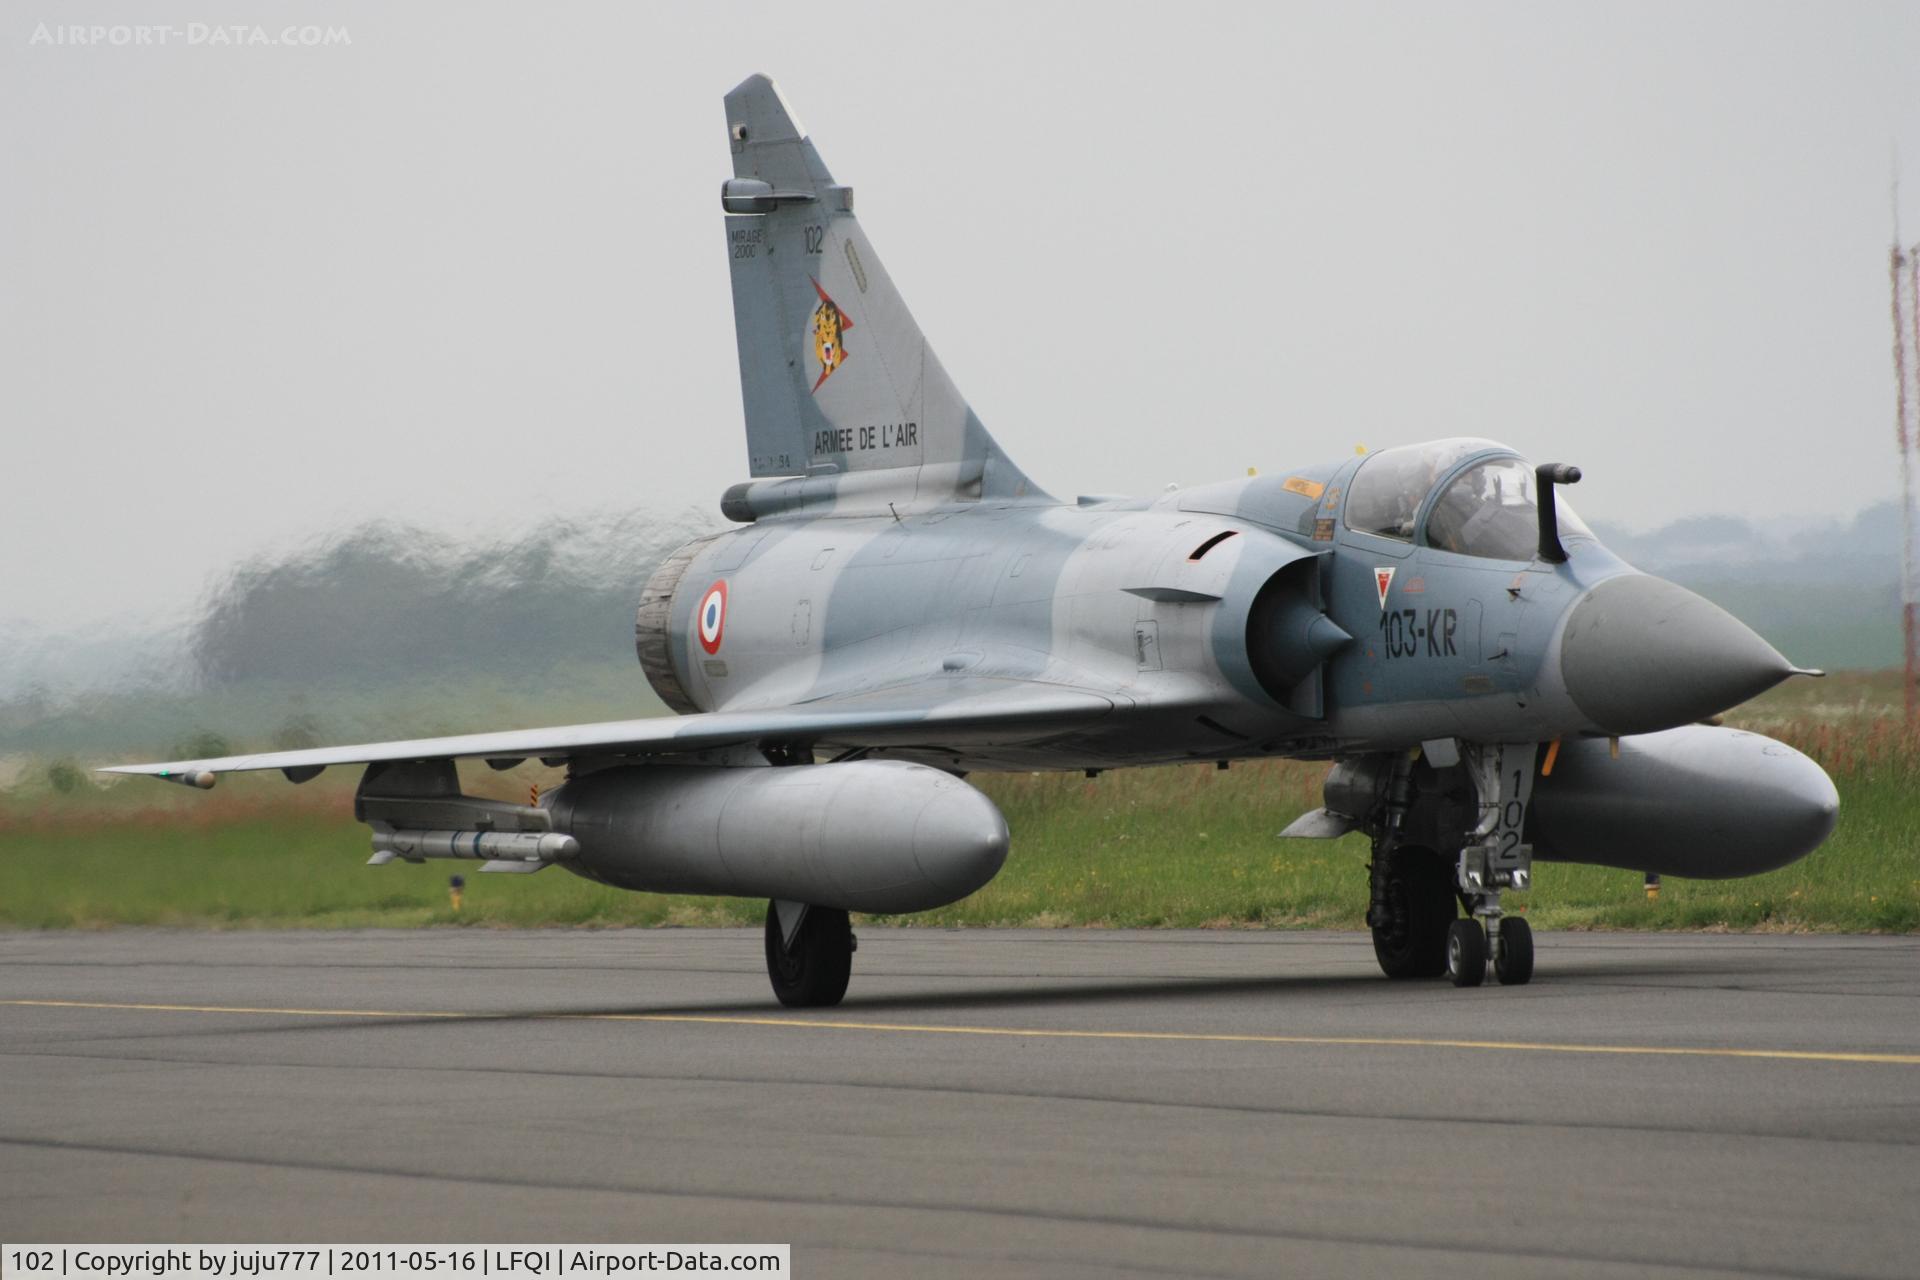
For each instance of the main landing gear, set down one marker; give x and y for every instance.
(1411, 912)
(809, 954)
(1417, 894)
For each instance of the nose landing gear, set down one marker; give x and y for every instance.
(1495, 859)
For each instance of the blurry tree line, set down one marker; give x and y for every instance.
(385, 601)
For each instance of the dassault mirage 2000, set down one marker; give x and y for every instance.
(900, 605)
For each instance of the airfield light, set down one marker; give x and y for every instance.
(456, 890)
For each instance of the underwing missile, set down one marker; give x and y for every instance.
(483, 846)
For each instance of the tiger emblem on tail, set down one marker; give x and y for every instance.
(830, 327)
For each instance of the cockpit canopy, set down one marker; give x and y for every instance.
(1486, 508)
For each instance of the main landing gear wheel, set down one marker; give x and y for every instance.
(1466, 953)
(1409, 916)
(1514, 964)
(811, 972)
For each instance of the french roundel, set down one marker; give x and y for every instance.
(711, 621)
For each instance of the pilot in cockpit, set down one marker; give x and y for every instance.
(1488, 510)
(1389, 489)
(1478, 508)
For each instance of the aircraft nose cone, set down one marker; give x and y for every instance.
(1641, 654)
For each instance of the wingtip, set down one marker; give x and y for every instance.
(203, 779)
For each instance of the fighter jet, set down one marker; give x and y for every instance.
(900, 606)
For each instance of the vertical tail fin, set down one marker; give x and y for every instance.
(838, 381)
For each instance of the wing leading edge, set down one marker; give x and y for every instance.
(1008, 714)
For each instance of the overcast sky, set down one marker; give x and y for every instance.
(467, 269)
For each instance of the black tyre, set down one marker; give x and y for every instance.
(813, 972)
(1410, 931)
(1466, 953)
(1514, 965)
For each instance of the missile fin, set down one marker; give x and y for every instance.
(514, 866)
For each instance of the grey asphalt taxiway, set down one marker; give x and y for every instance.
(984, 1103)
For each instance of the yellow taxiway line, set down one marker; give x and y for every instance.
(1037, 1033)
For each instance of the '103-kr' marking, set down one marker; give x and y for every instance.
(1406, 632)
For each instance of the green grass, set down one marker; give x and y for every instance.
(1189, 846)
(300, 868)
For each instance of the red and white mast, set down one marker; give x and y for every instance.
(1904, 268)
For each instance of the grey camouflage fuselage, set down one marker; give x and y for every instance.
(1137, 605)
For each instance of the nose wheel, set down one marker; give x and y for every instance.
(1513, 959)
(1512, 947)
(1466, 953)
